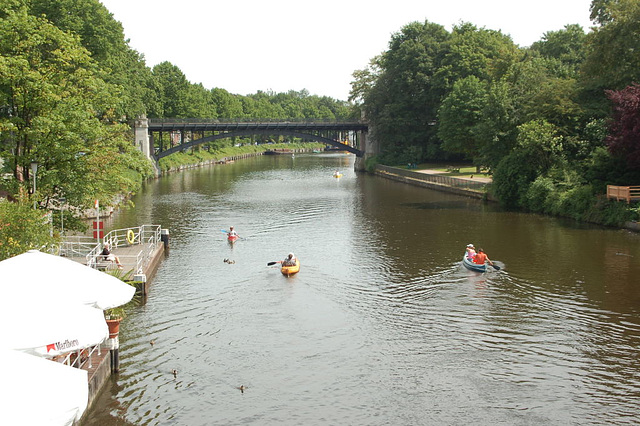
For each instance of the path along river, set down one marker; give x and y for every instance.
(382, 326)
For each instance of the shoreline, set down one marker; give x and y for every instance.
(432, 179)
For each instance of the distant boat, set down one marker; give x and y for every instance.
(278, 151)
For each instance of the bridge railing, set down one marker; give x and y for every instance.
(249, 120)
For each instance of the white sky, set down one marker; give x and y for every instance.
(248, 45)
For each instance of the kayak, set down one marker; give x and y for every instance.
(232, 238)
(469, 264)
(290, 270)
(337, 175)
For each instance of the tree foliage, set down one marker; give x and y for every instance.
(624, 136)
(459, 117)
(612, 61)
(22, 228)
(56, 110)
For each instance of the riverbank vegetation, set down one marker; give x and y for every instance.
(552, 122)
(220, 153)
(71, 86)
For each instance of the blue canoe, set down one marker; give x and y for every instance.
(473, 266)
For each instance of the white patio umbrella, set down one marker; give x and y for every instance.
(57, 279)
(50, 329)
(41, 392)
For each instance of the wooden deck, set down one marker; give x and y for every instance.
(100, 369)
(128, 256)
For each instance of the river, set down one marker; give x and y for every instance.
(382, 326)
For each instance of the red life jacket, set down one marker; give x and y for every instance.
(480, 258)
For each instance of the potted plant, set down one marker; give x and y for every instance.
(113, 316)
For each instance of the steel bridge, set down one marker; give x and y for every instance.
(203, 131)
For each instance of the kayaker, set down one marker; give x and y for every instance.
(471, 251)
(231, 232)
(290, 260)
(481, 257)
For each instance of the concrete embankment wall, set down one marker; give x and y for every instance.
(452, 185)
(439, 183)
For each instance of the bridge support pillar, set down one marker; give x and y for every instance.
(369, 147)
(143, 142)
(141, 133)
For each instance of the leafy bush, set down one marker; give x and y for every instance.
(512, 178)
(22, 228)
(537, 195)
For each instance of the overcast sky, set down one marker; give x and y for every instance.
(248, 45)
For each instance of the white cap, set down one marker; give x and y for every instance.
(469, 245)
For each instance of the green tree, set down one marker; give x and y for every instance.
(538, 149)
(174, 88)
(459, 116)
(226, 105)
(612, 61)
(55, 109)
(485, 54)
(497, 126)
(22, 228)
(103, 36)
(540, 95)
(402, 104)
(566, 46)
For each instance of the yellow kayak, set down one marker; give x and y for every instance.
(290, 270)
(338, 175)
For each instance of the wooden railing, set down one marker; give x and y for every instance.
(623, 193)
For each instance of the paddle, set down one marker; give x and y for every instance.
(273, 263)
(496, 267)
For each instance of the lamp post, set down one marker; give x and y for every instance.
(34, 169)
(62, 201)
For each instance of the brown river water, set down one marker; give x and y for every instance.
(382, 326)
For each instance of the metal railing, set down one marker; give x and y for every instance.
(82, 357)
(76, 246)
(441, 180)
(146, 236)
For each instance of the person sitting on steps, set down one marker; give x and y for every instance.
(108, 256)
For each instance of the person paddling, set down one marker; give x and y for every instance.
(481, 257)
(290, 260)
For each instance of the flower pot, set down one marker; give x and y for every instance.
(114, 327)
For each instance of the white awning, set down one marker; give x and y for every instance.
(41, 392)
(49, 329)
(54, 279)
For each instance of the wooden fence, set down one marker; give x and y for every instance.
(623, 193)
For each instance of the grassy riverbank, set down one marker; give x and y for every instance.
(197, 156)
